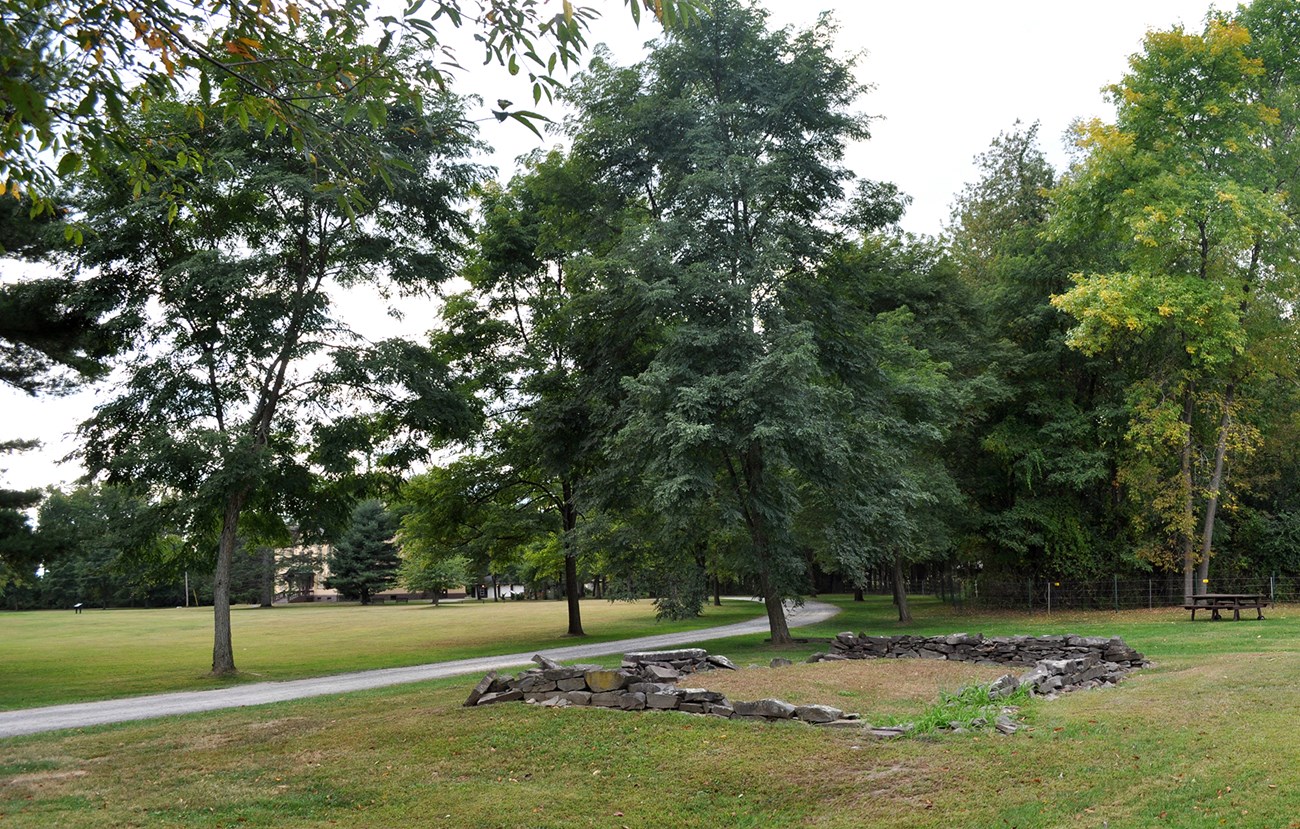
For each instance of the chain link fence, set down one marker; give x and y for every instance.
(1114, 593)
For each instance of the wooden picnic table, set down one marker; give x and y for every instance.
(1216, 603)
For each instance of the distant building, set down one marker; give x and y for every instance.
(301, 572)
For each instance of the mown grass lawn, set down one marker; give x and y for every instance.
(49, 657)
(1208, 737)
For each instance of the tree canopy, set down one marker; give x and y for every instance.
(75, 75)
(689, 349)
(249, 393)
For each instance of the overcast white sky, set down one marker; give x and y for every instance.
(948, 76)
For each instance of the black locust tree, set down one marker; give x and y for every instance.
(733, 136)
(248, 385)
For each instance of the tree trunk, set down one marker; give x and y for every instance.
(572, 588)
(775, 612)
(717, 592)
(858, 595)
(223, 652)
(900, 591)
(1216, 481)
(753, 471)
(268, 577)
(1190, 585)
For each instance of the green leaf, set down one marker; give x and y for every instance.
(527, 118)
(69, 164)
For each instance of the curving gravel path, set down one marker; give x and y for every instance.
(82, 714)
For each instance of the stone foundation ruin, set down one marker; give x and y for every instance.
(1060, 663)
(649, 681)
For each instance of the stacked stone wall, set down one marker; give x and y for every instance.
(997, 650)
(1060, 663)
(647, 681)
(642, 685)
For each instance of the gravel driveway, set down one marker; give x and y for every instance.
(82, 714)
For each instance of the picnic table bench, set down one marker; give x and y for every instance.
(1216, 603)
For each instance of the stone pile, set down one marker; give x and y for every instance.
(633, 688)
(670, 666)
(1023, 651)
(647, 681)
(1059, 676)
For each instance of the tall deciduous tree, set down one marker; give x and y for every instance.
(434, 575)
(887, 318)
(544, 356)
(1191, 182)
(475, 509)
(734, 136)
(1041, 462)
(107, 547)
(75, 73)
(248, 386)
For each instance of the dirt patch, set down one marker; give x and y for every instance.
(279, 725)
(311, 758)
(35, 779)
(882, 685)
(207, 741)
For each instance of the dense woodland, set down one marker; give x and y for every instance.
(690, 351)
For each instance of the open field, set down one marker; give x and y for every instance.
(1206, 738)
(50, 657)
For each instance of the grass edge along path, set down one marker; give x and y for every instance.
(50, 658)
(83, 714)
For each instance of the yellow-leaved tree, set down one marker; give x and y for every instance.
(1191, 187)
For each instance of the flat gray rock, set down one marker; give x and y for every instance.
(684, 654)
(607, 699)
(504, 696)
(817, 713)
(661, 673)
(632, 701)
(662, 701)
(555, 702)
(773, 709)
(483, 687)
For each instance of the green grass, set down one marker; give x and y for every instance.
(1167, 632)
(1206, 738)
(49, 657)
(969, 707)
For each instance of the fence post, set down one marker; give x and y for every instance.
(1272, 586)
(1049, 597)
(1150, 605)
(1115, 592)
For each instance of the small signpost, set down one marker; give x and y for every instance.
(77, 607)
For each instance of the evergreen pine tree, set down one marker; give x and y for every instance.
(364, 561)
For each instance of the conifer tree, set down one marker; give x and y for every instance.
(364, 561)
